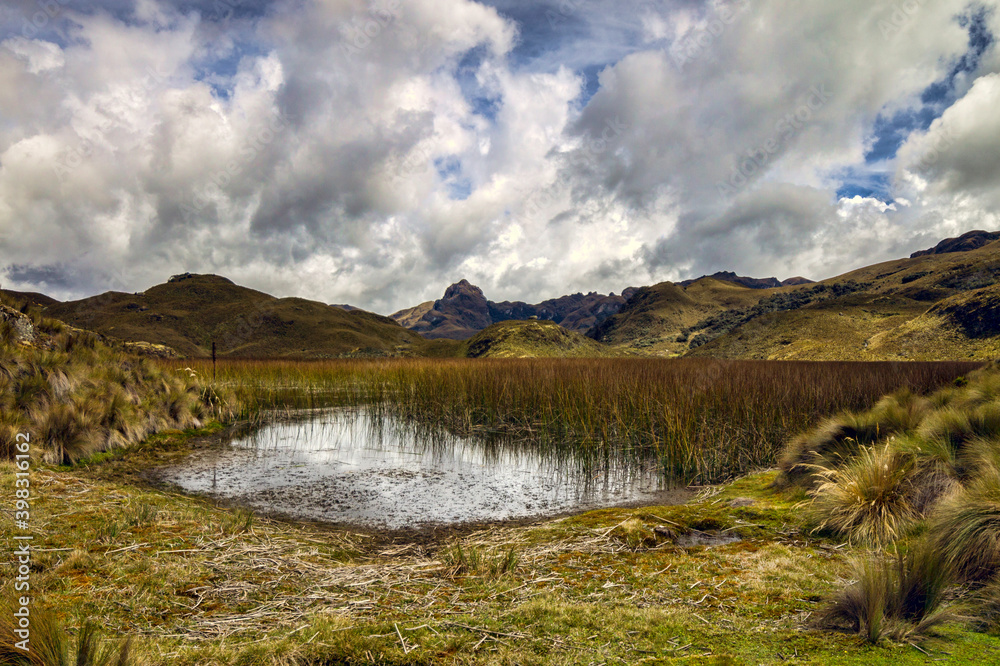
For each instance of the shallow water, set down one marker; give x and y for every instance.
(342, 466)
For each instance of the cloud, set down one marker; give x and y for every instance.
(371, 153)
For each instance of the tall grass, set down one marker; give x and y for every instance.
(704, 420)
(899, 598)
(76, 394)
(50, 646)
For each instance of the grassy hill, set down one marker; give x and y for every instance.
(930, 306)
(190, 311)
(927, 307)
(655, 318)
(531, 339)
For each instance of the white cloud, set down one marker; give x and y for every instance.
(371, 154)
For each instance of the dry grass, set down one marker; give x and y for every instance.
(49, 644)
(870, 499)
(967, 528)
(899, 598)
(77, 395)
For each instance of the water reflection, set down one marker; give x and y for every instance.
(344, 466)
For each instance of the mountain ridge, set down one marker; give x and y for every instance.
(464, 311)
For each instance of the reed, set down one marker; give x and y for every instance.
(703, 420)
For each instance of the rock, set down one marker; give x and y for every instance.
(23, 331)
(150, 349)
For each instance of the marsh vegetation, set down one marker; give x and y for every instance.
(702, 420)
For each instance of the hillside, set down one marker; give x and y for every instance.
(464, 310)
(77, 393)
(531, 339)
(30, 297)
(934, 305)
(190, 311)
(655, 319)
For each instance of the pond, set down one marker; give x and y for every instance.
(347, 467)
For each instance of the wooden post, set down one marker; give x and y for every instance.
(213, 361)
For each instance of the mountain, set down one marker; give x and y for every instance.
(972, 240)
(937, 304)
(932, 306)
(942, 303)
(189, 312)
(753, 283)
(464, 311)
(656, 319)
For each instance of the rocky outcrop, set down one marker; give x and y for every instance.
(149, 349)
(19, 325)
(464, 311)
(975, 313)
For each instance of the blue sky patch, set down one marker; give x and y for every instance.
(863, 183)
(889, 133)
(449, 169)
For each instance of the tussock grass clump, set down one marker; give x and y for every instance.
(50, 645)
(474, 561)
(898, 598)
(966, 528)
(869, 499)
(987, 608)
(841, 437)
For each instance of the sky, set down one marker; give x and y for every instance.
(373, 153)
